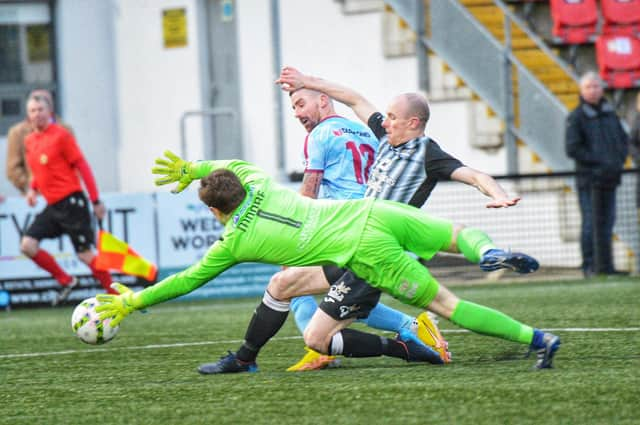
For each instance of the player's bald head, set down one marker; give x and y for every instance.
(416, 105)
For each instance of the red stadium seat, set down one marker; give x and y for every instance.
(574, 21)
(621, 17)
(618, 59)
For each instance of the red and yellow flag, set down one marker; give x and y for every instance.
(114, 254)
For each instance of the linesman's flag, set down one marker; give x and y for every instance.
(114, 254)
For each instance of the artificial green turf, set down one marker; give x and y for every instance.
(134, 379)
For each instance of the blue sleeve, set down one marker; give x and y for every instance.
(316, 151)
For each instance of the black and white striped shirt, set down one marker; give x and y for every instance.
(407, 173)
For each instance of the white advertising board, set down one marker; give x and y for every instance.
(186, 228)
(129, 217)
(171, 230)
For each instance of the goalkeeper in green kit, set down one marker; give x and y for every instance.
(265, 222)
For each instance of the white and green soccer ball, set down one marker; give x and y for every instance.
(88, 326)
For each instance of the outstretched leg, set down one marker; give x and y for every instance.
(381, 259)
(487, 321)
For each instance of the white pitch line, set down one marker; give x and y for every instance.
(141, 347)
(459, 331)
(238, 341)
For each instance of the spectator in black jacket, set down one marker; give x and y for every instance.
(597, 142)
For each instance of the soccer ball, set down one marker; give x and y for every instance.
(88, 326)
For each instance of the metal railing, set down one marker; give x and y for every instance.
(215, 112)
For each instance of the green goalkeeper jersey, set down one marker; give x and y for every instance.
(273, 225)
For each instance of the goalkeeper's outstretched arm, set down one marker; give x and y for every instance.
(173, 169)
(215, 261)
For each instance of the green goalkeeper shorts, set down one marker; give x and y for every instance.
(381, 257)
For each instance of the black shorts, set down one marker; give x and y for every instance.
(349, 296)
(69, 216)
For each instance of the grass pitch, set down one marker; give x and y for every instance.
(147, 375)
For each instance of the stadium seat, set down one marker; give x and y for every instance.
(618, 59)
(621, 17)
(574, 21)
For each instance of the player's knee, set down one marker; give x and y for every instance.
(316, 340)
(277, 286)
(282, 286)
(453, 246)
(86, 256)
(29, 246)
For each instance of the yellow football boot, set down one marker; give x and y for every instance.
(429, 333)
(313, 361)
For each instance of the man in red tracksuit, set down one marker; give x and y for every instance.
(55, 162)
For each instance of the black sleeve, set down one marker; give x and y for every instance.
(375, 124)
(439, 164)
(575, 140)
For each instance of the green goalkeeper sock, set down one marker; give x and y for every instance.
(472, 243)
(487, 321)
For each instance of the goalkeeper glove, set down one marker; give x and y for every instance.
(174, 169)
(119, 306)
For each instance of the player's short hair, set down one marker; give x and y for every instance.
(223, 190)
(417, 106)
(44, 93)
(304, 89)
(313, 92)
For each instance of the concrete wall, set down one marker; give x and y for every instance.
(124, 92)
(87, 83)
(156, 86)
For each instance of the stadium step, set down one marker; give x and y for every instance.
(539, 62)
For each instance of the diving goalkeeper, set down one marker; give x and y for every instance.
(265, 222)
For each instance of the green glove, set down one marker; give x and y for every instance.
(117, 306)
(174, 169)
